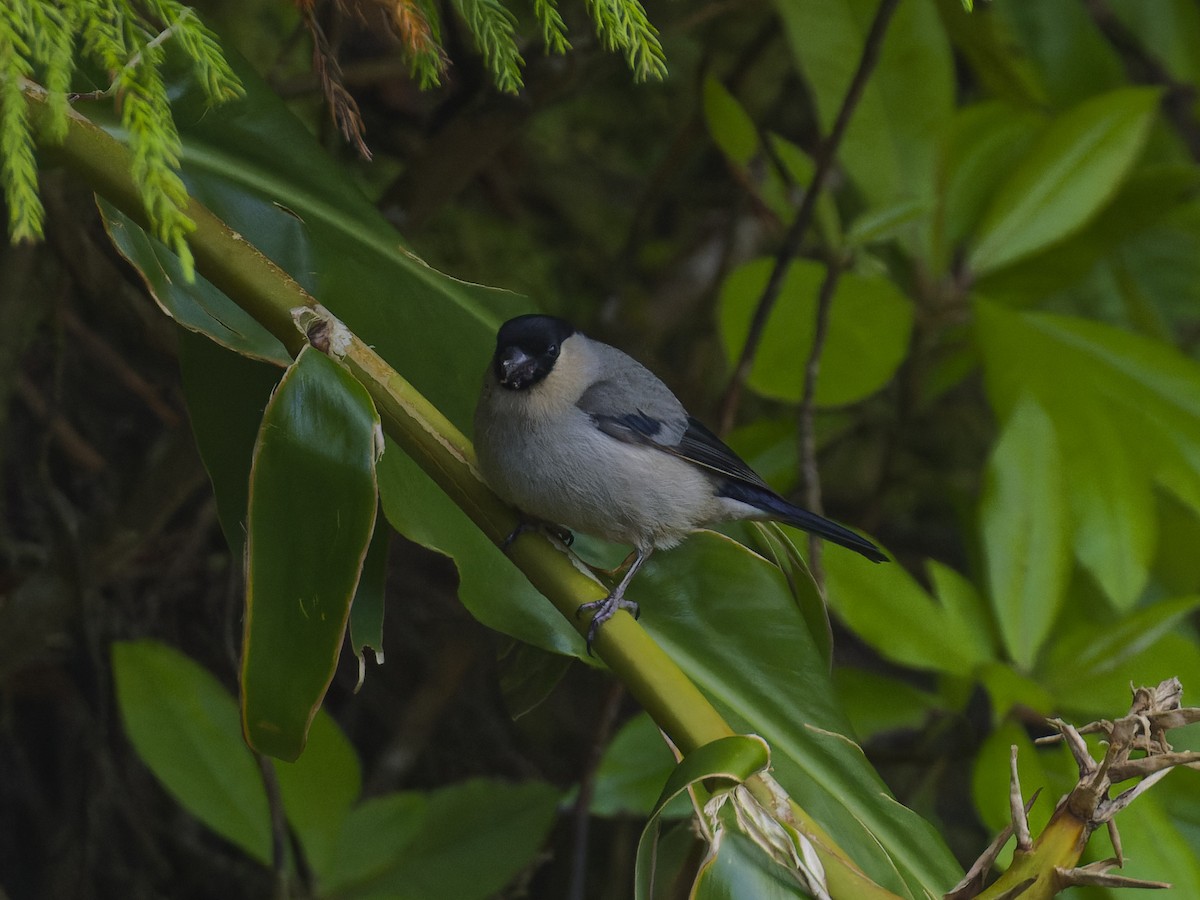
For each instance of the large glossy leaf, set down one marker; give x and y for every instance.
(632, 772)
(226, 395)
(1023, 522)
(1126, 413)
(319, 789)
(1146, 229)
(464, 842)
(888, 147)
(311, 514)
(1073, 169)
(977, 153)
(729, 620)
(198, 306)
(887, 608)
(869, 325)
(185, 726)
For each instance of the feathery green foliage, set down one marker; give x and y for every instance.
(494, 26)
(18, 169)
(128, 39)
(554, 30)
(623, 25)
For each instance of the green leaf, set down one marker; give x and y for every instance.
(1137, 425)
(869, 326)
(1023, 524)
(371, 838)
(728, 618)
(981, 145)
(311, 514)
(887, 608)
(319, 789)
(464, 842)
(633, 771)
(193, 303)
(226, 395)
(730, 125)
(495, 591)
(528, 675)
(1088, 667)
(1048, 770)
(1009, 689)
(185, 726)
(741, 868)
(1073, 60)
(876, 703)
(1116, 528)
(366, 610)
(889, 144)
(986, 43)
(1154, 843)
(1173, 31)
(1152, 218)
(729, 761)
(1072, 170)
(775, 542)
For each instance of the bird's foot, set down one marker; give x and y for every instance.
(604, 610)
(563, 534)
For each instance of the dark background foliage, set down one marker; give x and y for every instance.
(611, 203)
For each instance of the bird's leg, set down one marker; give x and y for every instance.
(612, 573)
(607, 608)
(524, 525)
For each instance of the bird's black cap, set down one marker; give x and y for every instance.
(526, 349)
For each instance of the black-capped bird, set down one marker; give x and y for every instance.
(576, 433)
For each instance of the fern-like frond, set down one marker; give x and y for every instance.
(127, 38)
(216, 78)
(623, 26)
(494, 28)
(18, 165)
(554, 30)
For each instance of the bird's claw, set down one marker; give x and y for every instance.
(604, 610)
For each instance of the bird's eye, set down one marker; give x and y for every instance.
(552, 350)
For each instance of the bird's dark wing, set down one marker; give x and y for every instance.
(680, 434)
(700, 446)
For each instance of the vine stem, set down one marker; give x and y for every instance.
(790, 248)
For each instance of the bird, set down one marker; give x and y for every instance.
(577, 434)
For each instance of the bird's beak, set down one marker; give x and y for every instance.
(515, 368)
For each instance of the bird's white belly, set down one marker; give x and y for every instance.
(597, 484)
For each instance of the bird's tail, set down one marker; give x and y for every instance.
(775, 507)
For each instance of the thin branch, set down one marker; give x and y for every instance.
(826, 153)
(1144, 68)
(808, 409)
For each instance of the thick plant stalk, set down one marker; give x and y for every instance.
(273, 298)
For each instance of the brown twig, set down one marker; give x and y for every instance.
(104, 353)
(1144, 68)
(70, 441)
(826, 152)
(808, 410)
(582, 814)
